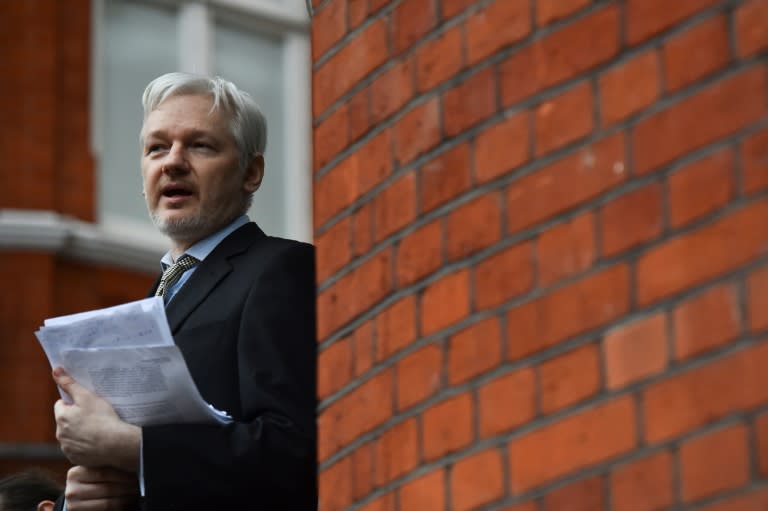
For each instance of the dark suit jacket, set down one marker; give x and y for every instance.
(245, 322)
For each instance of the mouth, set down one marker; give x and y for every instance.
(176, 192)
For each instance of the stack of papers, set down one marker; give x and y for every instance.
(126, 355)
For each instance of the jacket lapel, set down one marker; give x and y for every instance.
(211, 271)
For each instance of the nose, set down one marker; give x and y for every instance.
(175, 161)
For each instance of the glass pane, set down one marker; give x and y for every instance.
(254, 61)
(140, 44)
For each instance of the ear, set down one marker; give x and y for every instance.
(45, 505)
(254, 173)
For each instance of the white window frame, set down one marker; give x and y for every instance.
(287, 19)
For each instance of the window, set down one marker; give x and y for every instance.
(261, 45)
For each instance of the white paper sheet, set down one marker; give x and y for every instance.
(126, 355)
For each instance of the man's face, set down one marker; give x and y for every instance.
(192, 181)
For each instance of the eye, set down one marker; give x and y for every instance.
(202, 145)
(153, 148)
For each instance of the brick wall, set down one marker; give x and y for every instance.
(542, 232)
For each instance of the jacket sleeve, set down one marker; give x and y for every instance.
(268, 456)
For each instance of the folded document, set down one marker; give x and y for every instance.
(126, 355)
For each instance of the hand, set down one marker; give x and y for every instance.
(89, 431)
(96, 489)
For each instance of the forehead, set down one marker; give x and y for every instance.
(186, 112)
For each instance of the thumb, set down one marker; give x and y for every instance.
(67, 383)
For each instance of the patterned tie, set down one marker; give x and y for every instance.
(174, 272)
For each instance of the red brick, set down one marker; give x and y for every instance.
(474, 351)
(362, 229)
(395, 206)
(565, 53)
(504, 275)
(564, 119)
(635, 351)
(700, 188)
(376, 5)
(689, 400)
(384, 503)
(629, 87)
(470, 102)
(417, 131)
(498, 24)
(447, 426)
(432, 66)
(566, 249)
(334, 368)
(397, 451)
(330, 137)
(335, 485)
(728, 243)
(761, 445)
(418, 376)
(477, 480)
(631, 220)
(362, 340)
(578, 441)
(419, 253)
(352, 177)
(733, 102)
(356, 59)
(750, 27)
(357, 11)
(425, 492)
(696, 53)
(566, 183)
(707, 321)
(644, 484)
(445, 302)
(754, 162)
(474, 226)
(453, 7)
(396, 327)
(713, 463)
(334, 248)
(507, 402)
(445, 177)
(649, 17)
(568, 311)
(583, 495)
(411, 20)
(531, 505)
(512, 133)
(358, 114)
(362, 471)
(391, 90)
(368, 283)
(354, 414)
(569, 378)
(757, 285)
(757, 499)
(548, 11)
(329, 25)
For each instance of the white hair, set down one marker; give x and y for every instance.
(248, 125)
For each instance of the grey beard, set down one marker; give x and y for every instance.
(184, 228)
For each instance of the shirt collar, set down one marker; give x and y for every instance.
(205, 246)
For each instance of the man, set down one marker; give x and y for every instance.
(242, 312)
(31, 490)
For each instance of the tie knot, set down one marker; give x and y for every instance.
(172, 274)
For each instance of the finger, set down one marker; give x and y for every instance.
(68, 384)
(99, 475)
(116, 504)
(96, 491)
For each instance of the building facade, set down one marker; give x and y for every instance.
(541, 225)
